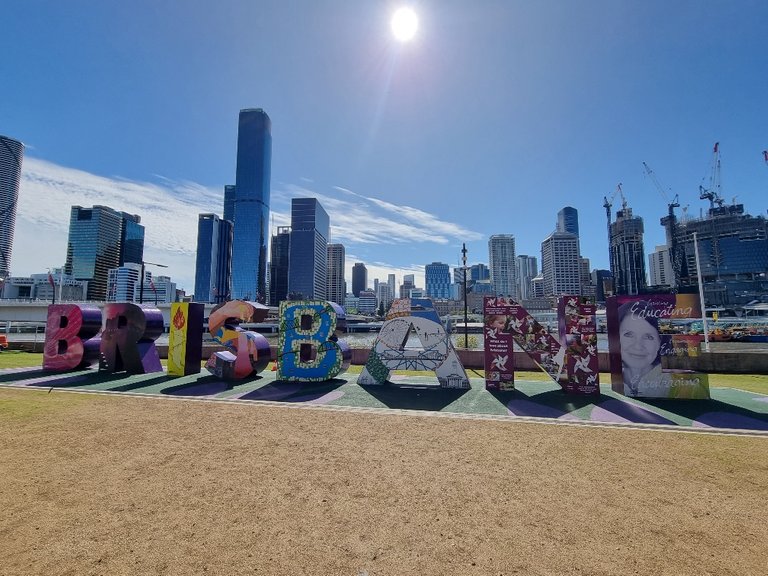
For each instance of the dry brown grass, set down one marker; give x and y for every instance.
(96, 484)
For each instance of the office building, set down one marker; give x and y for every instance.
(568, 220)
(308, 262)
(251, 206)
(603, 282)
(213, 262)
(409, 283)
(392, 283)
(527, 269)
(359, 278)
(660, 267)
(733, 254)
(560, 267)
(95, 245)
(279, 259)
(627, 253)
(11, 157)
(437, 278)
(366, 302)
(123, 283)
(229, 202)
(383, 295)
(501, 257)
(337, 286)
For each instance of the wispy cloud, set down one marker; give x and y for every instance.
(169, 211)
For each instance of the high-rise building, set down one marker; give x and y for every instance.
(213, 263)
(383, 295)
(359, 278)
(337, 287)
(560, 264)
(501, 257)
(527, 269)
(603, 282)
(11, 156)
(392, 282)
(437, 277)
(279, 259)
(660, 267)
(409, 283)
(568, 220)
(367, 303)
(251, 205)
(308, 265)
(733, 254)
(627, 254)
(95, 245)
(229, 202)
(123, 283)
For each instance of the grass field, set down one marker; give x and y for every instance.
(757, 383)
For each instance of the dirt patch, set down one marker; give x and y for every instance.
(130, 485)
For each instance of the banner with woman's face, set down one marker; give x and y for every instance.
(642, 331)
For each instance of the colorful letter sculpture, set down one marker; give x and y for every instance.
(578, 331)
(247, 352)
(641, 335)
(70, 341)
(185, 340)
(498, 344)
(505, 315)
(128, 339)
(437, 354)
(308, 347)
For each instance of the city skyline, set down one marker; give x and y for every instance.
(412, 148)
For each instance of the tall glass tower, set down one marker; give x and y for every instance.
(437, 278)
(568, 220)
(96, 244)
(251, 205)
(308, 265)
(214, 258)
(11, 155)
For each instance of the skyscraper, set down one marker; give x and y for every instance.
(660, 267)
(229, 202)
(560, 264)
(501, 253)
(95, 245)
(437, 277)
(279, 258)
(359, 278)
(214, 258)
(627, 254)
(392, 285)
(527, 269)
(337, 287)
(251, 205)
(308, 265)
(11, 156)
(568, 220)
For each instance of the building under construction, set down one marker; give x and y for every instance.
(627, 252)
(732, 245)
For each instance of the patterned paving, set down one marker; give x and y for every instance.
(729, 410)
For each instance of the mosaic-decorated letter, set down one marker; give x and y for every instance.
(70, 341)
(437, 353)
(128, 339)
(309, 348)
(247, 352)
(185, 340)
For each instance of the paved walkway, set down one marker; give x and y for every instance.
(729, 410)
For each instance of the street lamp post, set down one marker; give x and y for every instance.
(464, 265)
(141, 280)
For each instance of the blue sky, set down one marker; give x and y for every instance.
(494, 117)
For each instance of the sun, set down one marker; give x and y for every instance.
(404, 24)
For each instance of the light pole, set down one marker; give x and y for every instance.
(141, 280)
(464, 266)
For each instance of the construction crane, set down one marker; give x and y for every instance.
(608, 203)
(713, 192)
(670, 225)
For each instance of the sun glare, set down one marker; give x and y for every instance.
(404, 24)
